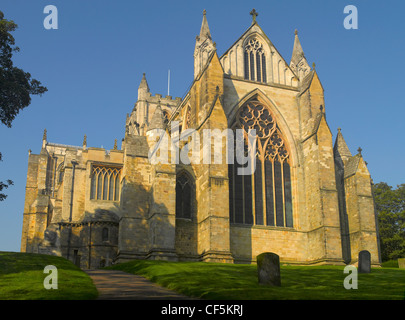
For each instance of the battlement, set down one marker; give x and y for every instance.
(167, 100)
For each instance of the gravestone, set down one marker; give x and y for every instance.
(364, 262)
(401, 263)
(268, 269)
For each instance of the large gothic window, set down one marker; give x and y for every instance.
(105, 183)
(255, 61)
(264, 197)
(184, 195)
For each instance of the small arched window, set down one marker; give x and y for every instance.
(104, 234)
(184, 195)
(166, 116)
(60, 170)
(255, 61)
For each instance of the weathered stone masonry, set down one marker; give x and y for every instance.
(309, 201)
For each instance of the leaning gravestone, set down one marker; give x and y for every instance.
(401, 263)
(364, 262)
(268, 269)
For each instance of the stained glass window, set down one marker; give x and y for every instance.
(265, 197)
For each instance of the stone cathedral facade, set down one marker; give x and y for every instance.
(309, 199)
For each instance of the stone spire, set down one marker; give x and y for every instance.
(205, 30)
(203, 46)
(341, 150)
(157, 121)
(143, 88)
(299, 63)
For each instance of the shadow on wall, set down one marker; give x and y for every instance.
(91, 243)
(147, 227)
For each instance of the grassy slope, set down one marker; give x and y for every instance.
(22, 277)
(228, 281)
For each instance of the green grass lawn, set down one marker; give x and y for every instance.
(239, 282)
(22, 278)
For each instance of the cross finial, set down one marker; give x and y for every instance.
(204, 12)
(359, 150)
(254, 14)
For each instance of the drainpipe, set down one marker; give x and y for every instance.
(74, 163)
(89, 244)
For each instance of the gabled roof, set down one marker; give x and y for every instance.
(266, 38)
(351, 166)
(307, 81)
(317, 124)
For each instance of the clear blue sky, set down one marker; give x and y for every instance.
(92, 66)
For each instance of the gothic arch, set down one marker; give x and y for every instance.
(281, 122)
(266, 196)
(185, 195)
(263, 40)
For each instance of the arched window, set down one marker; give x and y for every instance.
(184, 195)
(104, 234)
(255, 61)
(187, 118)
(166, 116)
(60, 170)
(263, 198)
(105, 183)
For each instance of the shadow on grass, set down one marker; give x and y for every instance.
(239, 282)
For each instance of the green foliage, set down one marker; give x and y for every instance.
(22, 277)
(390, 205)
(390, 264)
(16, 85)
(221, 281)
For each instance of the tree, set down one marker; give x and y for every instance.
(390, 205)
(16, 85)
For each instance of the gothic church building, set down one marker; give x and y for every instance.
(309, 200)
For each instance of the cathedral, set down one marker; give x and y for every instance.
(309, 199)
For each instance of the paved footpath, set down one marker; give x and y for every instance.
(119, 285)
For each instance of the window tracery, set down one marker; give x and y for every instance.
(105, 183)
(184, 195)
(263, 198)
(255, 61)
